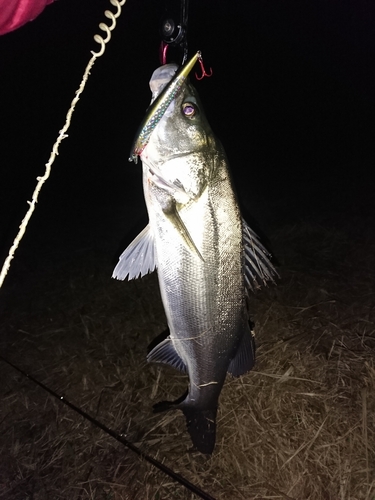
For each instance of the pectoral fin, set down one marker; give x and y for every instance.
(173, 215)
(138, 258)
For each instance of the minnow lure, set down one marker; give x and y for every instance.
(156, 111)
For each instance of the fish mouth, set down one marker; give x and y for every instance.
(160, 181)
(183, 154)
(172, 187)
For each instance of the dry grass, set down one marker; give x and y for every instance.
(300, 426)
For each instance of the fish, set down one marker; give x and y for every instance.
(207, 257)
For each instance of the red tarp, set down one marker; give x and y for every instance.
(15, 13)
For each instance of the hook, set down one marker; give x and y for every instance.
(204, 73)
(163, 52)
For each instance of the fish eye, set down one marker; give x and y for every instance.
(188, 109)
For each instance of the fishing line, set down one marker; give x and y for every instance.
(119, 437)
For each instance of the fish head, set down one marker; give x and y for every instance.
(180, 150)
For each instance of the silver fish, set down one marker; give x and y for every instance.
(207, 257)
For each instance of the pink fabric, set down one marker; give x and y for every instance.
(15, 13)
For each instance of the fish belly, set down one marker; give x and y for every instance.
(204, 300)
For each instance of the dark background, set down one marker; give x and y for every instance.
(292, 99)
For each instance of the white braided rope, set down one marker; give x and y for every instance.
(62, 133)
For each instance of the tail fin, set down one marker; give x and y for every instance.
(170, 405)
(201, 424)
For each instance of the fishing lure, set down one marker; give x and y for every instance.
(156, 111)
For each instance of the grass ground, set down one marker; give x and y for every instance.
(300, 426)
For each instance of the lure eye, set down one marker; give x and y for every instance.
(188, 109)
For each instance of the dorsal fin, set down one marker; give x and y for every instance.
(258, 267)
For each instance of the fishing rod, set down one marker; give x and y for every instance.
(119, 437)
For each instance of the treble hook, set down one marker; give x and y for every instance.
(204, 73)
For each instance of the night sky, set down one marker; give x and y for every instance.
(292, 100)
